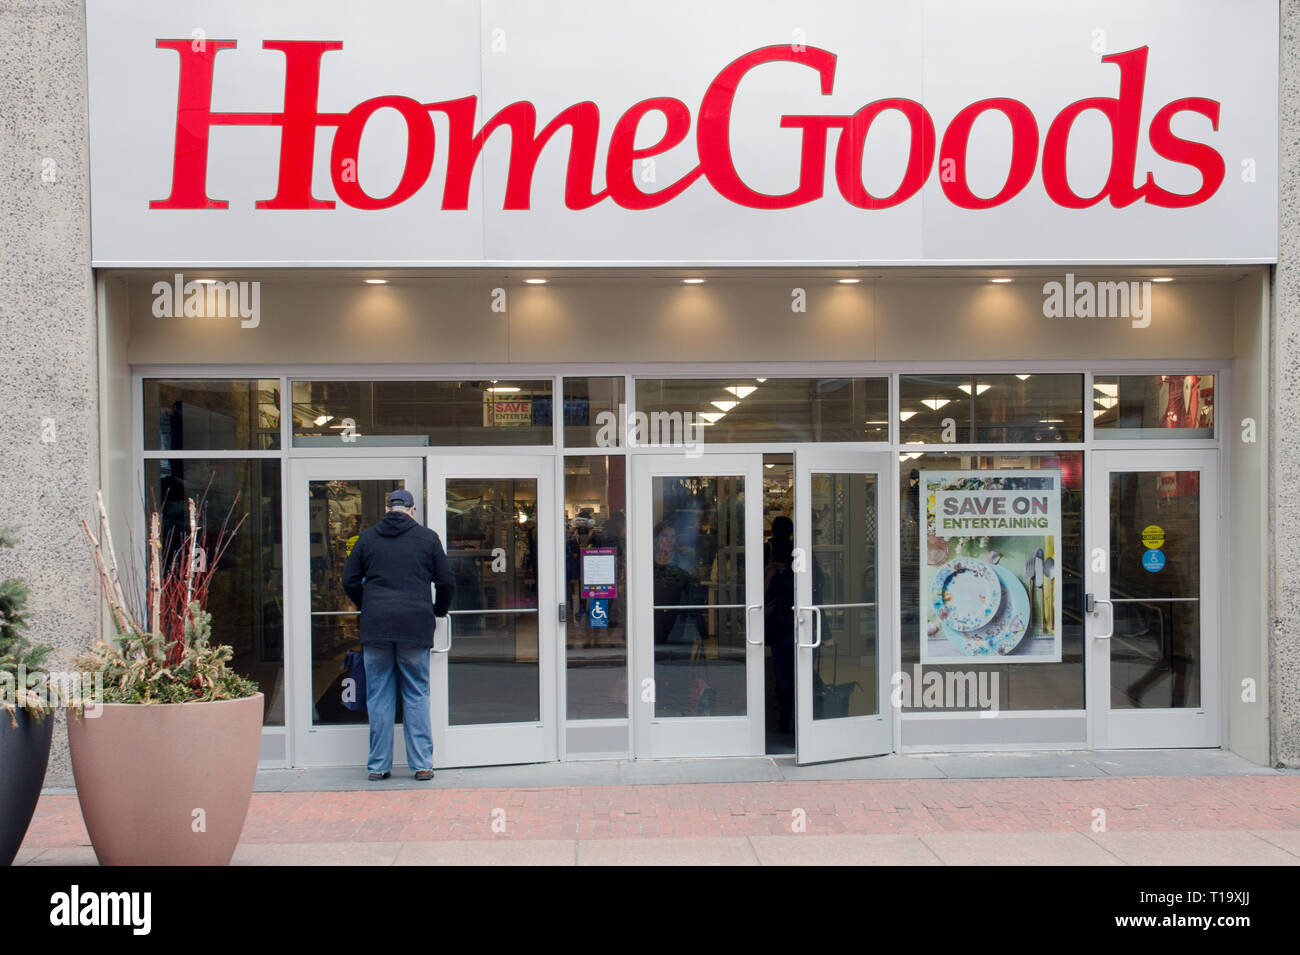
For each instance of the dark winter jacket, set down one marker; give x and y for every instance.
(387, 575)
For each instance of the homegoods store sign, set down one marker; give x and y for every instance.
(573, 133)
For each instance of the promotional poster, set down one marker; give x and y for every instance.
(990, 582)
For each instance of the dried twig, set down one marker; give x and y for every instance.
(123, 619)
(189, 565)
(155, 575)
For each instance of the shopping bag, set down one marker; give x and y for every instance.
(831, 700)
(354, 696)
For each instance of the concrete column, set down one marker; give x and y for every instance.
(1284, 653)
(49, 446)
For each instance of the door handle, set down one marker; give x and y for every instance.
(447, 648)
(817, 628)
(748, 610)
(1095, 601)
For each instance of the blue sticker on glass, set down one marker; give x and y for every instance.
(598, 613)
(1153, 561)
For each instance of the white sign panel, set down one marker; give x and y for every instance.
(504, 132)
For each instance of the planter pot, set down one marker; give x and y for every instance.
(24, 753)
(169, 783)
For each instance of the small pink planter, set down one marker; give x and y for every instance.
(144, 772)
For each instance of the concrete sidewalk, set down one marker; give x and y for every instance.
(1187, 808)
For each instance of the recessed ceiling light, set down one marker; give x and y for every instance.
(934, 404)
(1163, 278)
(712, 417)
(742, 391)
(904, 415)
(1024, 377)
(534, 281)
(206, 281)
(503, 389)
(724, 405)
(376, 281)
(979, 389)
(324, 419)
(1001, 281)
(769, 465)
(849, 281)
(692, 281)
(760, 380)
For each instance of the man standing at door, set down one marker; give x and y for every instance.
(387, 575)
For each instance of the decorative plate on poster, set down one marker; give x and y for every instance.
(965, 593)
(1004, 632)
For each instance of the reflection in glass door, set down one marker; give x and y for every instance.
(332, 502)
(698, 621)
(494, 656)
(844, 616)
(1154, 620)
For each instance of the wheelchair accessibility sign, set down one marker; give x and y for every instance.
(598, 613)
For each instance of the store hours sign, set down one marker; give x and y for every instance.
(573, 132)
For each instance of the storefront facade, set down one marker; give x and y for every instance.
(568, 639)
(827, 381)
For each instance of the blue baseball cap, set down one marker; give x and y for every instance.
(401, 498)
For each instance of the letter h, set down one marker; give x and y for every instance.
(298, 123)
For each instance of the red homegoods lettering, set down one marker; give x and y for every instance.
(301, 119)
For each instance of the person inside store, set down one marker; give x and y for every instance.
(387, 576)
(778, 616)
(676, 631)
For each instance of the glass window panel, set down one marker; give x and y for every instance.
(1153, 406)
(1015, 409)
(736, 410)
(1155, 653)
(925, 402)
(353, 414)
(1022, 686)
(246, 598)
(589, 404)
(492, 675)
(844, 585)
(699, 595)
(990, 409)
(338, 511)
(595, 514)
(212, 414)
(492, 546)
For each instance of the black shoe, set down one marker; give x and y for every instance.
(424, 775)
(375, 776)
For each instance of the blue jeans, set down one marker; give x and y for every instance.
(411, 664)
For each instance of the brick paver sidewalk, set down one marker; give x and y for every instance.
(712, 810)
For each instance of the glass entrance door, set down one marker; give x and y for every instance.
(697, 573)
(844, 622)
(331, 502)
(494, 661)
(1153, 620)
